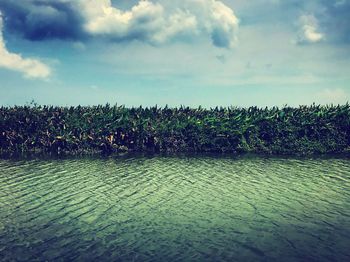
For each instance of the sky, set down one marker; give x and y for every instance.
(185, 52)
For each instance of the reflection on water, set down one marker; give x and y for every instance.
(175, 209)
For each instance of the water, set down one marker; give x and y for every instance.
(175, 209)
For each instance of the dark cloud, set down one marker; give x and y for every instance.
(30, 67)
(60, 19)
(221, 58)
(333, 16)
(154, 22)
(220, 38)
(336, 20)
(39, 20)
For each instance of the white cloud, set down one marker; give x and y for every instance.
(309, 30)
(157, 24)
(339, 3)
(79, 46)
(215, 19)
(31, 68)
(333, 95)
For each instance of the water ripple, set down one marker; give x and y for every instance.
(175, 209)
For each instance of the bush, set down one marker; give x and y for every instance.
(107, 129)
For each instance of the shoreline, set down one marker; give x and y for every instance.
(4, 155)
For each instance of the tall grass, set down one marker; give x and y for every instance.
(303, 130)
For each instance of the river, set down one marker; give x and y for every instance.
(175, 208)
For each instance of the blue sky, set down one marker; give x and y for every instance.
(185, 52)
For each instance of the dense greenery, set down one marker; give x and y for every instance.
(303, 130)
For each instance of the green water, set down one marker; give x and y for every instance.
(175, 209)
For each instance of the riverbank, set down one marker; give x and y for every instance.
(109, 129)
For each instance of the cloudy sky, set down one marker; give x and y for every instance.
(183, 52)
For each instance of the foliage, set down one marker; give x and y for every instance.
(303, 130)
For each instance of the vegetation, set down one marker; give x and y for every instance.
(304, 130)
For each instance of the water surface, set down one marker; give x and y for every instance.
(175, 209)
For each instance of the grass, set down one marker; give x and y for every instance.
(106, 129)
